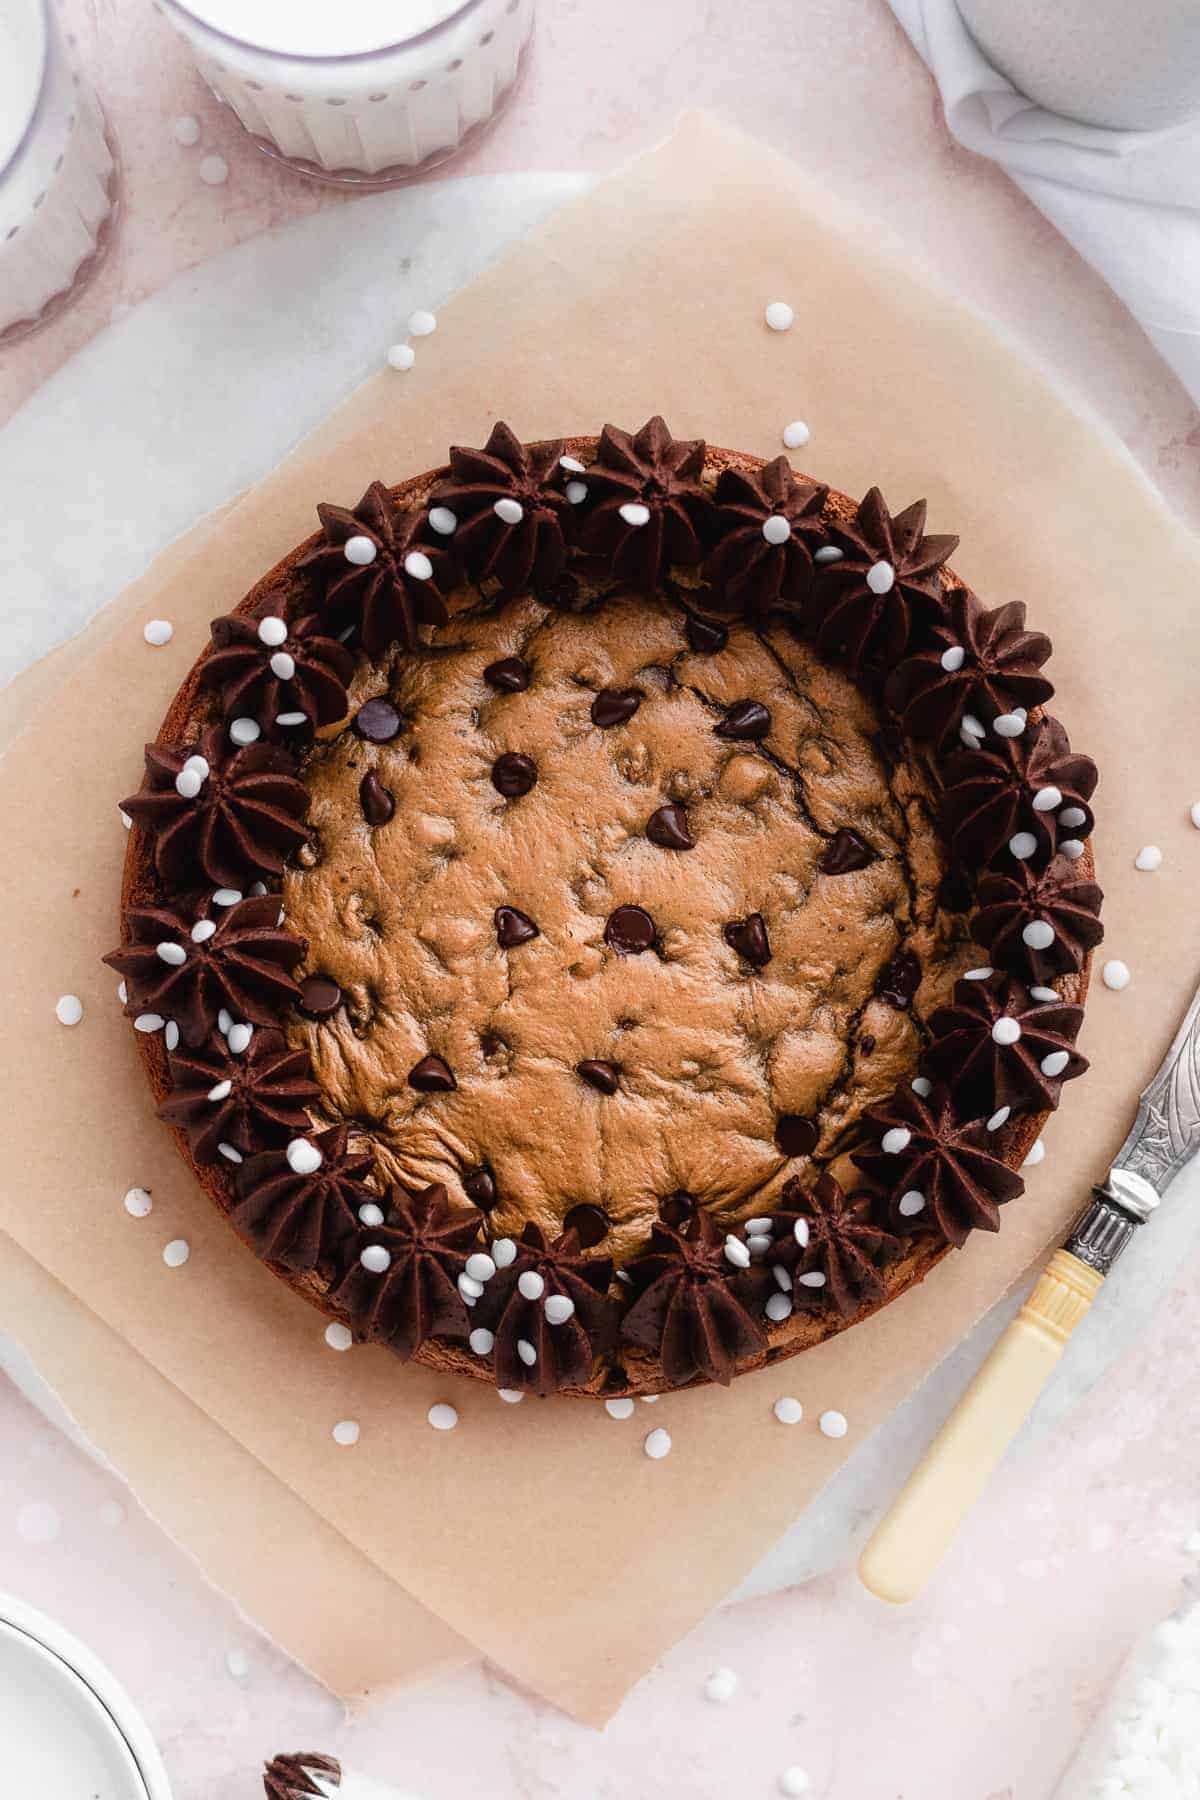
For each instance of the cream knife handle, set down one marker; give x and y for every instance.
(915, 1533)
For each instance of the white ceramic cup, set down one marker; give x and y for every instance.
(1128, 64)
(362, 92)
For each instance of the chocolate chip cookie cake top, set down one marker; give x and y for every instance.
(611, 912)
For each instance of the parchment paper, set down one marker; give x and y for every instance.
(540, 1532)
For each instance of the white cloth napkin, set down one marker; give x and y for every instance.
(1129, 201)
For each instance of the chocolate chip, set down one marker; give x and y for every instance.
(668, 828)
(749, 719)
(612, 706)
(480, 1188)
(377, 721)
(513, 774)
(676, 1209)
(432, 1076)
(845, 852)
(589, 1223)
(900, 979)
(320, 996)
(629, 931)
(511, 674)
(377, 802)
(705, 635)
(603, 1076)
(795, 1135)
(513, 927)
(749, 938)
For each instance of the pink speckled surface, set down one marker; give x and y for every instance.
(979, 1691)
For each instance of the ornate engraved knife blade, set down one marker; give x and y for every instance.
(927, 1512)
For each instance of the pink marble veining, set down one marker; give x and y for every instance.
(979, 1691)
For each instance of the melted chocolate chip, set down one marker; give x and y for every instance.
(513, 774)
(629, 931)
(749, 938)
(377, 802)
(377, 721)
(795, 1135)
(676, 1209)
(603, 1076)
(612, 706)
(668, 828)
(480, 1188)
(749, 719)
(513, 927)
(589, 1223)
(320, 996)
(706, 635)
(900, 979)
(432, 1076)
(511, 674)
(845, 852)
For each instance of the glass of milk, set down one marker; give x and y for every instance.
(58, 175)
(367, 93)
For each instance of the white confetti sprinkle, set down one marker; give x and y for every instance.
(482, 1341)
(833, 1424)
(38, 1522)
(272, 631)
(952, 659)
(126, 821)
(796, 435)
(303, 1158)
(186, 130)
(972, 726)
(758, 1243)
(621, 1408)
(1072, 849)
(138, 1203)
(1009, 725)
(1115, 974)
(911, 1203)
(794, 1781)
(782, 1277)
(471, 1291)
(220, 1091)
(527, 1352)
(291, 718)
(443, 521)
(776, 529)
(649, 1399)
(239, 1038)
(1072, 817)
(1054, 1064)
(283, 666)
(338, 1336)
(148, 1022)
(896, 1140)
(171, 1035)
(635, 514)
(1148, 858)
(245, 731)
(1045, 996)
(375, 1259)
(759, 1225)
(1006, 1031)
(800, 1233)
(657, 1444)
(788, 1410)
(229, 1153)
(370, 1215)
(202, 930)
(1022, 844)
(571, 465)
(226, 896)
(881, 578)
(504, 1252)
(778, 1308)
(576, 492)
(421, 323)
(214, 170)
(779, 315)
(814, 1279)
(418, 565)
(737, 1253)
(173, 954)
(1038, 934)
(721, 1686)
(1036, 1155)
(158, 632)
(1194, 814)
(829, 553)
(531, 1285)
(401, 357)
(346, 1431)
(480, 1266)
(68, 1009)
(176, 1253)
(1191, 1543)
(510, 1396)
(238, 1664)
(442, 1416)
(360, 550)
(1046, 799)
(558, 1309)
(922, 1085)
(188, 783)
(999, 1118)
(509, 512)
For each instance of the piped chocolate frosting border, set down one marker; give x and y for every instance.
(209, 966)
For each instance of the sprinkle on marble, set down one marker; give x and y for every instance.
(649, 1399)
(421, 323)
(303, 1157)
(657, 1444)
(833, 1424)
(737, 1253)
(796, 435)
(138, 1202)
(482, 1341)
(176, 1253)
(214, 171)
(68, 1009)
(1115, 974)
(1194, 814)
(720, 1686)
(375, 1259)
(635, 514)
(238, 1664)
(794, 1780)
(788, 1410)
(896, 1140)
(158, 632)
(186, 130)
(511, 1396)
(1148, 858)
(401, 357)
(442, 1416)
(338, 1336)
(346, 1432)
(1036, 1155)
(1022, 844)
(1191, 1543)
(1006, 1032)
(779, 315)
(620, 1408)
(360, 550)
(443, 521)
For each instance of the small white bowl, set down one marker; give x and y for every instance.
(67, 1725)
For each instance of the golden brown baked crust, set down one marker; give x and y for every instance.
(710, 1052)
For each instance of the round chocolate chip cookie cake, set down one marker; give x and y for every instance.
(610, 913)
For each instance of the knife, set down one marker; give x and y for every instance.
(918, 1528)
